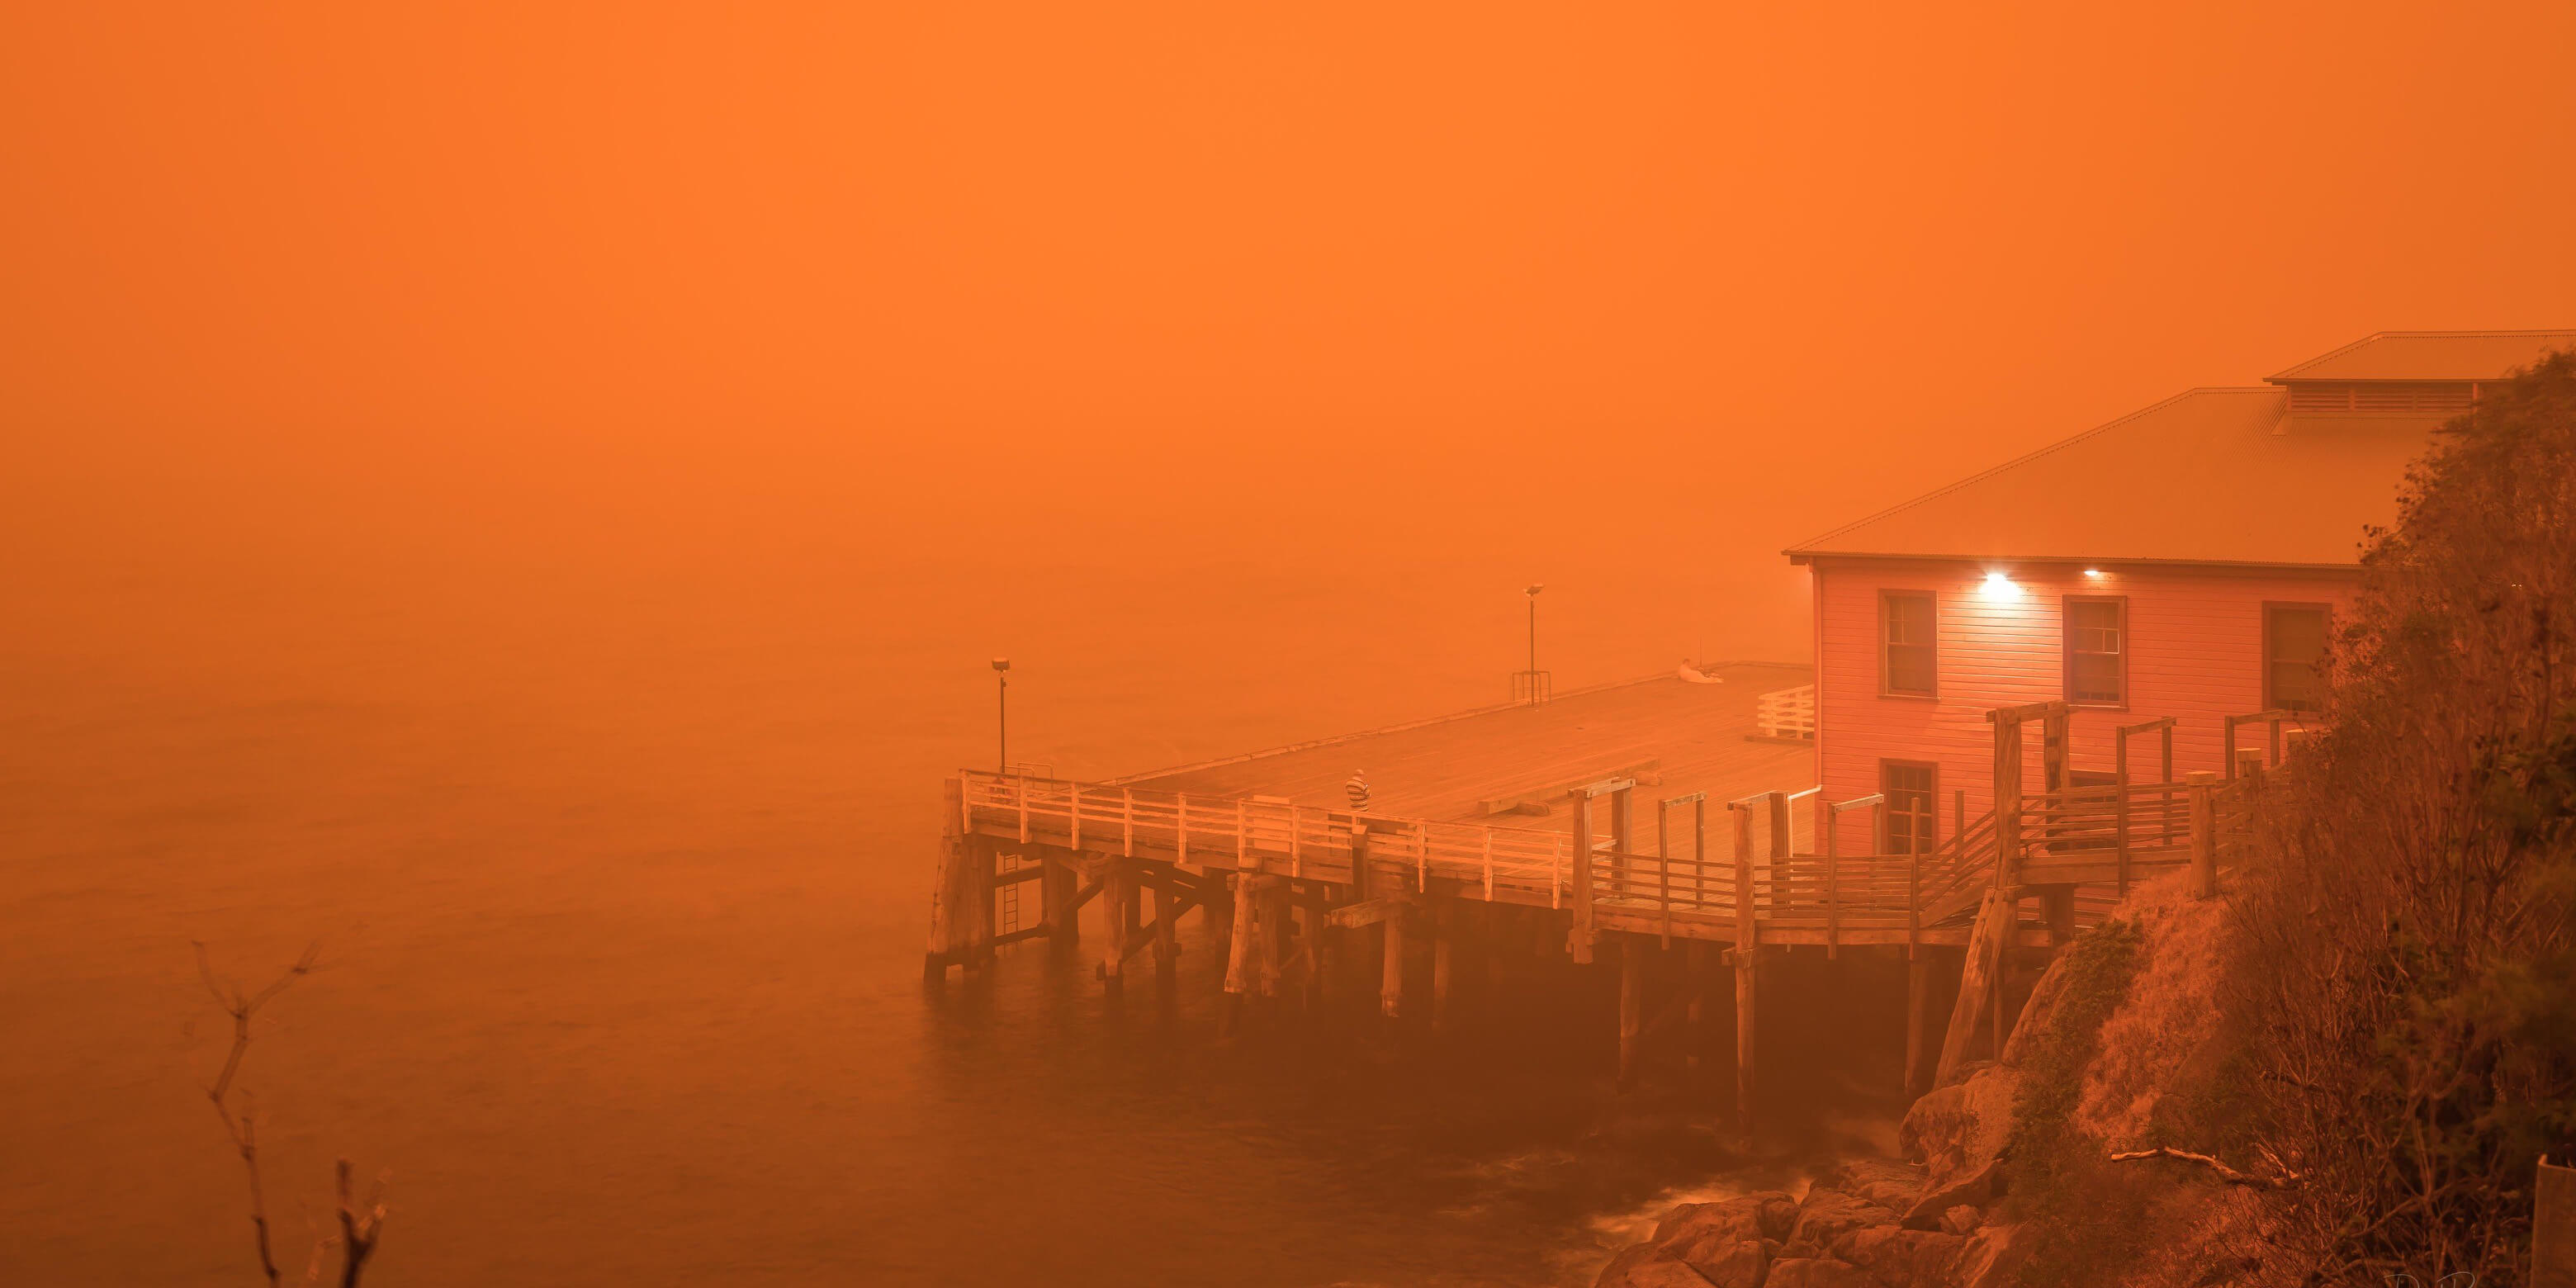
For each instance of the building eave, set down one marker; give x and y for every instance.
(2118, 561)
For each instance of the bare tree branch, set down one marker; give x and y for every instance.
(2225, 1173)
(240, 1126)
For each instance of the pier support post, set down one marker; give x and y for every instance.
(1632, 1004)
(951, 895)
(2057, 910)
(1747, 959)
(1390, 990)
(1579, 940)
(1918, 1001)
(1748, 947)
(2204, 832)
(1117, 907)
(1444, 931)
(1167, 949)
(1274, 936)
(1239, 960)
(1310, 940)
(1695, 1012)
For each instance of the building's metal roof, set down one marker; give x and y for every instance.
(2431, 355)
(2219, 476)
(2212, 476)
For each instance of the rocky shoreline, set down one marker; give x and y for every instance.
(1865, 1223)
(1936, 1218)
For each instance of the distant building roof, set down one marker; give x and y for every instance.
(2212, 476)
(2430, 355)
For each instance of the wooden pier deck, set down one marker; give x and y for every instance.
(1524, 827)
(1672, 735)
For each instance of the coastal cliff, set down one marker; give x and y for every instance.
(2006, 1174)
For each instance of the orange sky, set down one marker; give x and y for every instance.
(1522, 287)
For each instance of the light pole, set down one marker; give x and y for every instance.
(1532, 592)
(1002, 706)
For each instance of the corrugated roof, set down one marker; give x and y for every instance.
(2209, 476)
(2431, 355)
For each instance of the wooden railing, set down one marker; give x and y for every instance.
(1265, 834)
(2071, 834)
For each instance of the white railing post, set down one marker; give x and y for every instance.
(1127, 819)
(1180, 827)
(1489, 865)
(1296, 852)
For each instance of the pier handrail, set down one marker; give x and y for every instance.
(1273, 835)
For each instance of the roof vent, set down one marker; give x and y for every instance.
(2382, 397)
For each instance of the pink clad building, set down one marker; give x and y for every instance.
(2187, 560)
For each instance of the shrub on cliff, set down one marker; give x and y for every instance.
(2402, 960)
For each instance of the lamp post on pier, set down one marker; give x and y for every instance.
(1532, 592)
(1002, 708)
(1530, 683)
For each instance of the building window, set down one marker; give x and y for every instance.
(1910, 786)
(1905, 661)
(2097, 650)
(2294, 654)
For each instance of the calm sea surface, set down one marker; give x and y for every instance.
(621, 887)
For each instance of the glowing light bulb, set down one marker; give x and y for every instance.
(2093, 572)
(1999, 586)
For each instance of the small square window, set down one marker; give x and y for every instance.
(2097, 650)
(2294, 654)
(1907, 630)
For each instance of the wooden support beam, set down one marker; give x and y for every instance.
(1918, 1001)
(2057, 912)
(1359, 858)
(1579, 939)
(1310, 947)
(1167, 949)
(1025, 932)
(2204, 834)
(1694, 1002)
(1390, 989)
(1632, 1004)
(1976, 981)
(1623, 830)
(951, 892)
(1274, 935)
(1241, 949)
(1746, 962)
(1117, 913)
(1443, 933)
(1369, 913)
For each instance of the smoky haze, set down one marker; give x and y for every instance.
(541, 486)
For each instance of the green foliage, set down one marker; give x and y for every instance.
(2403, 966)
(2091, 1221)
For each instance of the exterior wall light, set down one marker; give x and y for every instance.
(2094, 573)
(1999, 587)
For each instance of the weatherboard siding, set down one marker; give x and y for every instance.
(2195, 651)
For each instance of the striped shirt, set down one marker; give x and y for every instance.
(1357, 790)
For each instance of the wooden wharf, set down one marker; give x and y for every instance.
(1278, 878)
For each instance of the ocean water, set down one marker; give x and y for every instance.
(620, 884)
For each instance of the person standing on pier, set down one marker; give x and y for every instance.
(1357, 790)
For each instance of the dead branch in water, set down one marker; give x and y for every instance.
(240, 1127)
(2225, 1173)
(360, 1224)
(358, 1227)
